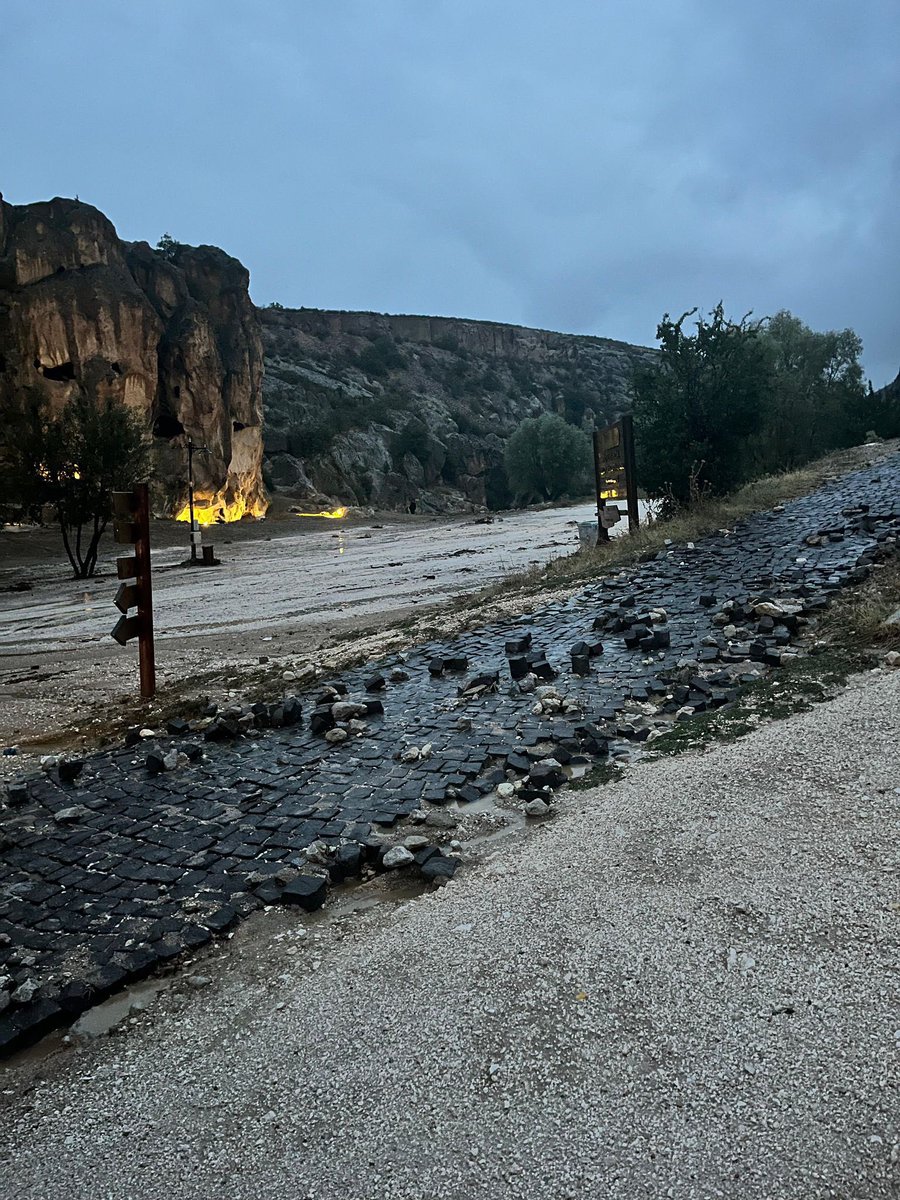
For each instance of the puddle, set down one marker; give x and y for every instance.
(100, 1019)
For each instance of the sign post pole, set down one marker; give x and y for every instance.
(131, 512)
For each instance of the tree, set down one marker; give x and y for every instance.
(547, 457)
(696, 408)
(71, 463)
(817, 398)
(168, 246)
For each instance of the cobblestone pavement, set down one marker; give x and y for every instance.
(123, 868)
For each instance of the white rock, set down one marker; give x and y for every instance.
(397, 856)
(147, 733)
(345, 710)
(537, 808)
(892, 658)
(505, 790)
(49, 761)
(410, 755)
(336, 736)
(26, 991)
(426, 750)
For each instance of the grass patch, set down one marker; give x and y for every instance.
(792, 689)
(602, 773)
(858, 618)
(687, 526)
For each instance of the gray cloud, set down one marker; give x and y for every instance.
(583, 166)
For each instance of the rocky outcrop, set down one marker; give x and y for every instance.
(174, 335)
(366, 408)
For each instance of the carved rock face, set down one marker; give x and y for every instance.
(176, 338)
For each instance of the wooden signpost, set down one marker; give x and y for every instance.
(615, 476)
(131, 517)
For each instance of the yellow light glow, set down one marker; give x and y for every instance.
(212, 507)
(335, 514)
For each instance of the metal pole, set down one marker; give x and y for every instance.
(145, 594)
(630, 472)
(190, 450)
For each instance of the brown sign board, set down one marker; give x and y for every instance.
(614, 473)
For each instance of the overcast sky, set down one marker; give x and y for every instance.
(582, 165)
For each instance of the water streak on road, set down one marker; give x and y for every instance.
(305, 579)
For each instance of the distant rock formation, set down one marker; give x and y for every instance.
(175, 335)
(366, 408)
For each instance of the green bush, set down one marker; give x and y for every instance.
(380, 357)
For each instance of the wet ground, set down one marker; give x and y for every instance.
(130, 866)
(284, 588)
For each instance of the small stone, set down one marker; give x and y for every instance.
(66, 816)
(505, 790)
(335, 736)
(537, 808)
(199, 981)
(441, 819)
(170, 760)
(415, 842)
(892, 659)
(410, 754)
(397, 856)
(25, 992)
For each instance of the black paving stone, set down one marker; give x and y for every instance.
(152, 849)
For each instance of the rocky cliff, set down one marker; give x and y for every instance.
(174, 335)
(365, 408)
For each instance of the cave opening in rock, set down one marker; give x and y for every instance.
(61, 374)
(167, 425)
(237, 426)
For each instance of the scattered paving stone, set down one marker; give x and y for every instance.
(70, 769)
(186, 852)
(307, 891)
(439, 868)
(347, 861)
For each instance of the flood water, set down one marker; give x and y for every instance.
(319, 574)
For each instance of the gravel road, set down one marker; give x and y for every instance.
(685, 984)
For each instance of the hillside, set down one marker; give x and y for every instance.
(366, 408)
